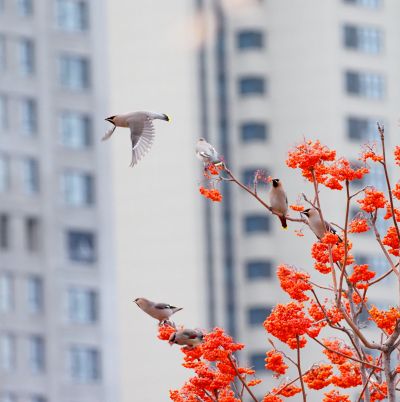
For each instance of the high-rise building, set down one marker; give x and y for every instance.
(56, 275)
(276, 71)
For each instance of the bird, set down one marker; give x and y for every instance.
(314, 221)
(278, 201)
(207, 153)
(187, 337)
(142, 131)
(160, 311)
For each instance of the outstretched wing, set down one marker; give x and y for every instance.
(142, 136)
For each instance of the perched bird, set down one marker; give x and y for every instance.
(278, 201)
(207, 153)
(187, 337)
(160, 311)
(314, 221)
(142, 130)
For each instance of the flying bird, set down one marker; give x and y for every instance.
(142, 130)
(314, 221)
(187, 337)
(278, 201)
(160, 311)
(207, 153)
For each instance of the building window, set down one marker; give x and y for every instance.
(4, 173)
(75, 129)
(26, 52)
(28, 116)
(36, 354)
(363, 39)
(82, 305)
(7, 352)
(84, 364)
(8, 396)
(3, 53)
(4, 232)
(3, 113)
(250, 39)
(77, 188)
(74, 72)
(30, 176)
(6, 293)
(32, 234)
(72, 15)
(257, 223)
(35, 294)
(252, 86)
(253, 132)
(365, 3)
(361, 129)
(366, 85)
(257, 361)
(25, 7)
(81, 246)
(259, 269)
(257, 315)
(37, 398)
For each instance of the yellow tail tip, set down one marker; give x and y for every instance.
(284, 227)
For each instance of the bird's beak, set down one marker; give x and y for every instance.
(109, 119)
(167, 118)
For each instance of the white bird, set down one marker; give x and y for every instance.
(187, 337)
(314, 221)
(160, 311)
(278, 201)
(207, 153)
(142, 130)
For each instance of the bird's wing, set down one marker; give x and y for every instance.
(163, 306)
(142, 136)
(191, 333)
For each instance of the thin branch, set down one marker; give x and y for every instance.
(368, 364)
(241, 378)
(303, 390)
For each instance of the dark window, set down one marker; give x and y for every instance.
(35, 294)
(361, 128)
(4, 232)
(25, 7)
(257, 315)
(81, 246)
(37, 398)
(365, 3)
(252, 86)
(257, 223)
(37, 354)
(257, 361)
(258, 269)
(250, 40)
(368, 85)
(82, 305)
(253, 132)
(32, 235)
(363, 39)
(84, 364)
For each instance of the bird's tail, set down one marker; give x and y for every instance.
(108, 134)
(283, 222)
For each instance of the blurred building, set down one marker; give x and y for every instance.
(56, 279)
(272, 72)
